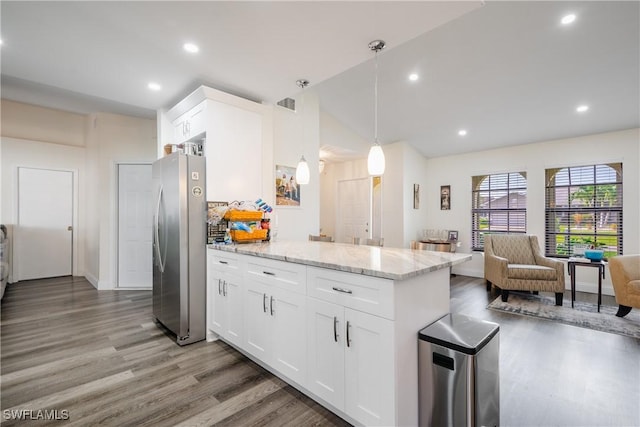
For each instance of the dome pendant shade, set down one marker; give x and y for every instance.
(375, 161)
(302, 172)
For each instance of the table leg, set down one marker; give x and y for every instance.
(600, 275)
(572, 274)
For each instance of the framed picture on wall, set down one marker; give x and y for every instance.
(416, 196)
(445, 197)
(287, 189)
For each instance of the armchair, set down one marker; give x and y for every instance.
(514, 262)
(625, 277)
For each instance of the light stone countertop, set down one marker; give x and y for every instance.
(386, 263)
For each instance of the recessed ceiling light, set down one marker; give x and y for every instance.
(568, 19)
(582, 108)
(154, 86)
(191, 48)
(413, 77)
(462, 132)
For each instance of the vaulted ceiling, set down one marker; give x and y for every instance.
(506, 72)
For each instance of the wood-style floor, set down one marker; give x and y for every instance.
(100, 357)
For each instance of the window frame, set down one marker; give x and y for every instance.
(552, 213)
(477, 212)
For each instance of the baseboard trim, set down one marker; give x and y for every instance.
(91, 279)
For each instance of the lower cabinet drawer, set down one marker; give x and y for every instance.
(223, 261)
(283, 274)
(364, 293)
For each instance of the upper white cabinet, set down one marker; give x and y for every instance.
(190, 124)
(237, 141)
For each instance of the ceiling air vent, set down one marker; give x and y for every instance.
(288, 103)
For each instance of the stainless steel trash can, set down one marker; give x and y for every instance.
(459, 381)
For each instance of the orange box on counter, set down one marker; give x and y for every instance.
(245, 236)
(234, 215)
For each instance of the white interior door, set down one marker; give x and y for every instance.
(44, 236)
(135, 216)
(354, 210)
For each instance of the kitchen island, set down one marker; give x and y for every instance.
(337, 321)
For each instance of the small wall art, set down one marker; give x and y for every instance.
(445, 197)
(287, 189)
(416, 196)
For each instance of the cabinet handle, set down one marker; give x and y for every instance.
(271, 305)
(335, 328)
(348, 337)
(224, 288)
(223, 262)
(343, 290)
(219, 287)
(268, 273)
(264, 303)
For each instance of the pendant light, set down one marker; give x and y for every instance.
(302, 171)
(375, 161)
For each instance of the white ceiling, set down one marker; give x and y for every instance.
(508, 72)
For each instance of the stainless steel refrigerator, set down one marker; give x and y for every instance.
(179, 245)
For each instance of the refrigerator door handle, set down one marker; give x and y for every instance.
(157, 231)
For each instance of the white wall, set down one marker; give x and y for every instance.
(297, 134)
(41, 155)
(112, 139)
(89, 145)
(39, 137)
(456, 171)
(404, 167)
(415, 171)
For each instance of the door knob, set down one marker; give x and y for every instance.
(70, 228)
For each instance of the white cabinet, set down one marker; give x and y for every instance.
(370, 395)
(190, 124)
(234, 153)
(238, 141)
(275, 318)
(326, 342)
(225, 297)
(347, 339)
(350, 357)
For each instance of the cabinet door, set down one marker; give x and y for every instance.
(289, 351)
(214, 298)
(258, 324)
(233, 326)
(325, 360)
(196, 120)
(218, 312)
(179, 130)
(369, 369)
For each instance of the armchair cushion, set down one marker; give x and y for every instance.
(531, 272)
(515, 247)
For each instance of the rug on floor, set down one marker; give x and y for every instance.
(583, 314)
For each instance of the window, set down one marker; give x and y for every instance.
(498, 205)
(583, 209)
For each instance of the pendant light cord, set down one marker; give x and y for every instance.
(375, 103)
